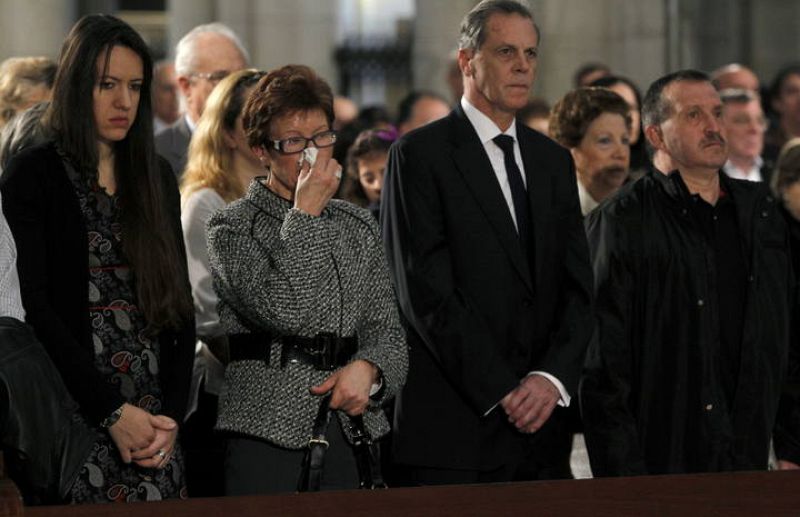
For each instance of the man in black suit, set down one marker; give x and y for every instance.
(490, 262)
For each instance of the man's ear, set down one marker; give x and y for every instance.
(464, 58)
(654, 136)
(184, 84)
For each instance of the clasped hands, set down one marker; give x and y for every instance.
(350, 387)
(147, 440)
(529, 405)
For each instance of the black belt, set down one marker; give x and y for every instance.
(325, 351)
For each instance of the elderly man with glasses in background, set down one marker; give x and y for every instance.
(203, 57)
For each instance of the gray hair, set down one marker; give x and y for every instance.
(737, 96)
(185, 49)
(473, 26)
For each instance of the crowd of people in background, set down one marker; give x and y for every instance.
(249, 284)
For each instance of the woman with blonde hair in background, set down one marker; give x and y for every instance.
(219, 168)
(24, 82)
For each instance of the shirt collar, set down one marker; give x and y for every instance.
(484, 126)
(732, 169)
(191, 123)
(585, 199)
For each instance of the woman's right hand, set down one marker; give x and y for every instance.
(317, 185)
(133, 431)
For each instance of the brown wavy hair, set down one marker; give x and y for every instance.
(288, 89)
(572, 115)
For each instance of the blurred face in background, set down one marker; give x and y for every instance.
(745, 125)
(215, 56)
(370, 174)
(425, 110)
(165, 93)
(625, 91)
(602, 158)
(787, 104)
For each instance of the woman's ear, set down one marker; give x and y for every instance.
(263, 156)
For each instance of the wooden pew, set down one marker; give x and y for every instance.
(730, 494)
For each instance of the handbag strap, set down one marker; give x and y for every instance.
(368, 456)
(367, 453)
(314, 459)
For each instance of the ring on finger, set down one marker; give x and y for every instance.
(162, 454)
(338, 173)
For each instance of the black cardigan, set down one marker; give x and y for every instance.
(43, 212)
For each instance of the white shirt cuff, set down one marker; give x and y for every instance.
(565, 398)
(563, 401)
(376, 387)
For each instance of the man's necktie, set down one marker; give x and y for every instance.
(518, 193)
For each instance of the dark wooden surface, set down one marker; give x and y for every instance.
(751, 494)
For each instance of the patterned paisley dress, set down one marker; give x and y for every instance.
(124, 353)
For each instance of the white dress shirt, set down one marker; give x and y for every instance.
(10, 299)
(587, 201)
(487, 130)
(752, 174)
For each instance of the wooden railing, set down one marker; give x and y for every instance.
(733, 494)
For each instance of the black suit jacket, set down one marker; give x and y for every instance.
(481, 313)
(45, 217)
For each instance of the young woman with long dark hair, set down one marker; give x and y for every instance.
(95, 215)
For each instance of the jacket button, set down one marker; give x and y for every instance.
(700, 302)
(751, 278)
(709, 407)
(764, 214)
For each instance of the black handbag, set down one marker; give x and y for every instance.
(367, 452)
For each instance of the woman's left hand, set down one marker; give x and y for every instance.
(158, 454)
(351, 386)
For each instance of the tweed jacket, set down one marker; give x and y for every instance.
(279, 270)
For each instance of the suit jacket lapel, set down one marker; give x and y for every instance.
(537, 179)
(476, 169)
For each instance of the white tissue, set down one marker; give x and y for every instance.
(309, 155)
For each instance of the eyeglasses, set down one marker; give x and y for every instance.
(212, 77)
(296, 144)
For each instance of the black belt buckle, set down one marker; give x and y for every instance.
(325, 350)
